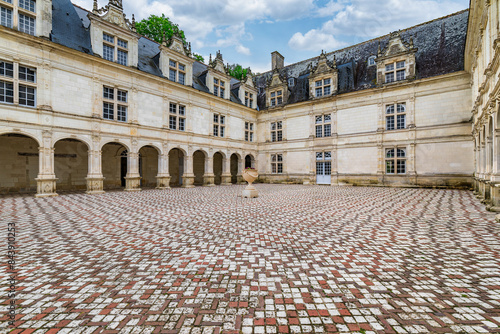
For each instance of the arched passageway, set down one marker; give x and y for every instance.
(19, 156)
(176, 167)
(114, 165)
(218, 161)
(198, 167)
(248, 161)
(148, 166)
(71, 164)
(234, 168)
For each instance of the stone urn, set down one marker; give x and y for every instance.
(250, 175)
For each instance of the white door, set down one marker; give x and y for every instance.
(323, 167)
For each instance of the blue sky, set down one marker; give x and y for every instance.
(247, 31)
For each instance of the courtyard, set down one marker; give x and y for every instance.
(298, 259)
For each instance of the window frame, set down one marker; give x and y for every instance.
(176, 116)
(219, 87)
(219, 125)
(396, 161)
(116, 47)
(113, 96)
(393, 70)
(276, 97)
(177, 68)
(22, 89)
(276, 131)
(322, 126)
(392, 118)
(277, 163)
(249, 99)
(320, 86)
(249, 131)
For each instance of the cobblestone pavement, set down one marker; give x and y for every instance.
(298, 259)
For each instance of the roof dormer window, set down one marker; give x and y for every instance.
(371, 61)
(114, 49)
(219, 87)
(395, 72)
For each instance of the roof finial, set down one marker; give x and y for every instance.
(334, 61)
(379, 52)
(133, 20)
(96, 8)
(210, 61)
(411, 42)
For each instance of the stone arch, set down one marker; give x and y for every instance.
(127, 146)
(176, 157)
(199, 159)
(149, 156)
(218, 166)
(19, 153)
(33, 136)
(249, 161)
(234, 167)
(71, 156)
(114, 164)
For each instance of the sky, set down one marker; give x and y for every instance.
(247, 31)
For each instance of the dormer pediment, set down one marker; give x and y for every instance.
(324, 66)
(249, 79)
(113, 13)
(276, 79)
(396, 46)
(397, 61)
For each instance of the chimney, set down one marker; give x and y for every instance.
(278, 60)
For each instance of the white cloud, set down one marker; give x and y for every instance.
(314, 40)
(243, 50)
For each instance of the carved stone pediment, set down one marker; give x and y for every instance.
(324, 66)
(113, 13)
(276, 79)
(249, 80)
(176, 44)
(218, 63)
(396, 46)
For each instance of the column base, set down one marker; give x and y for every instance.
(208, 180)
(46, 187)
(250, 192)
(225, 180)
(163, 182)
(133, 183)
(95, 185)
(188, 181)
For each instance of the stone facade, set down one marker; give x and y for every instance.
(125, 112)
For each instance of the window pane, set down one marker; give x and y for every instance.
(182, 110)
(122, 43)
(273, 136)
(246, 101)
(390, 153)
(319, 119)
(401, 122)
(246, 125)
(389, 109)
(6, 92)
(273, 102)
(122, 57)
(108, 52)
(182, 67)
(222, 83)
(216, 81)
(389, 166)
(280, 168)
(173, 108)
(319, 155)
(401, 167)
(273, 157)
(326, 81)
(216, 130)
(280, 100)
(400, 75)
(182, 78)
(328, 118)
(108, 93)
(121, 96)
(27, 74)
(401, 153)
(327, 90)
(273, 168)
(7, 69)
(319, 131)
(251, 136)
(172, 122)
(251, 126)
(318, 83)
(273, 94)
(328, 155)
(6, 17)
(121, 113)
(246, 135)
(278, 93)
(172, 63)
(273, 126)
(279, 124)
(319, 168)
(389, 77)
(222, 131)
(107, 111)
(279, 135)
(328, 130)
(172, 74)
(26, 96)
(280, 157)
(319, 92)
(108, 38)
(216, 118)
(328, 168)
(216, 91)
(28, 5)
(26, 24)
(400, 64)
(222, 119)
(389, 123)
(222, 92)
(389, 67)
(182, 124)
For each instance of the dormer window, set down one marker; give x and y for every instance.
(371, 61)
(219, 87)
(248, 99)
(177, 72)
(323, 87)
(27, 4)
(276, 98)
(112, 46)
(395, 72)
(291, 82)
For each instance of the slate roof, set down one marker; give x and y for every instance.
(440, 43)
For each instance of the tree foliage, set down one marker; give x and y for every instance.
(198, 57)
(159, 28)
(237, 71)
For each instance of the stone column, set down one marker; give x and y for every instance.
(46, 179)
(163, 177)
(209, 177)
(226, 171)
(241, 166)
(95, 179)
(188, 176)
(133, 178)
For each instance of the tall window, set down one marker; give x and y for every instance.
(323, 87)
(20, 76)
(25, 11)
(177, 117)
(277, 163)
(114, 49)
(114, 99)
(395, 71)
(219, 87)
(395, 161)
(248, 99)
(276, 98)
(323, 126)
(177, 72)
(277, 131)
(219, 125)
(6, 17)
(395, 118)
(248, 131)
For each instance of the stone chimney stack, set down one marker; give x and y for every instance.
(278, 60)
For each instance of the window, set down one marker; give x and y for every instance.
(323, 126)
(177, 72)
(277, 163)
(371, 61)
(114, 49)
(248, 99)
(29, 5)
(177, 117)
(219, 87)
(395, 72)
(248, 131)
(219, 125)
(6, 17)
(22, 77)
(323, 163)
(395, 116)
(23, 10)
(323, 87)
(395, 161)
(26, 24)
(277, 131)
(114, 99)
(276, 98)
(291, 82)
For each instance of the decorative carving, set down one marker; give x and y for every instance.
(113, 13)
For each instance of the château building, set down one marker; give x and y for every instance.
(87, 103)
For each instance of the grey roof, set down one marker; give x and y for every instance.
(68, 27)
(440, 43)
(149, 57)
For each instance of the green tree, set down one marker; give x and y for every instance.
(198, 57)
(159, 28)
(237, 71)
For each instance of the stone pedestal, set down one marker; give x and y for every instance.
(132, 183)
(226, 180)
(95, 185)
(188, 181)
(250, 192)
(46, 187)
(209, 180)
(162, 182)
